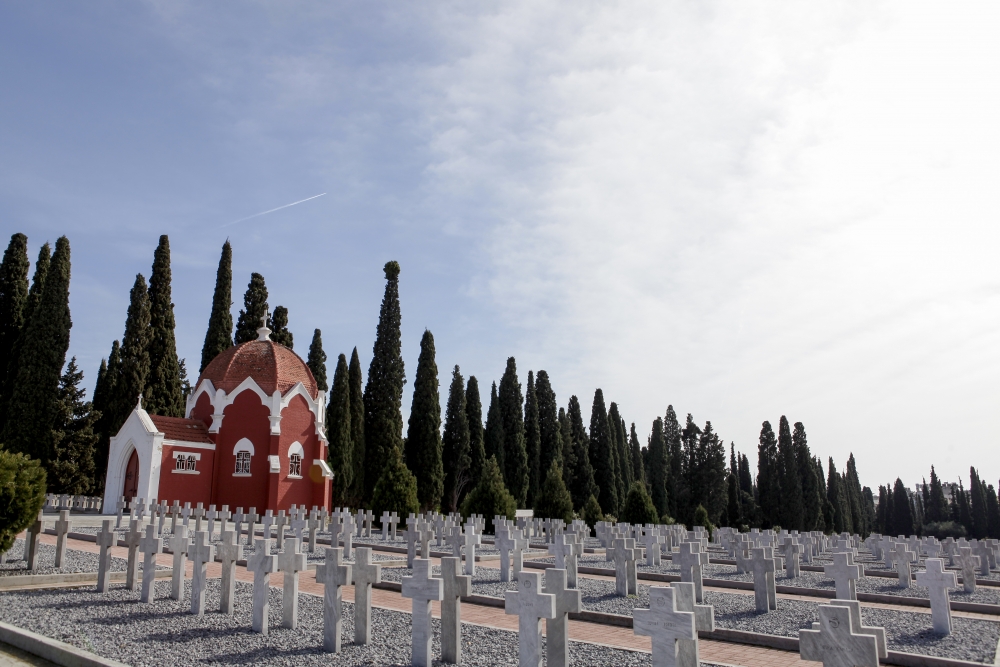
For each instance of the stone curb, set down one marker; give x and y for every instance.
(52, 650)
(16, 581)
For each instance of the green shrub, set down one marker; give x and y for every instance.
(944, 529)
(396, 489)
(591, 512)
(701, 519)
(638, 508)
(667, 520)
(22, 494)
(555, 502)
(490, 497)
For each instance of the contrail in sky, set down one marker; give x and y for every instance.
(257, 215)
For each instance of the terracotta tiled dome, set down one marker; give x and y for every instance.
(271, 365)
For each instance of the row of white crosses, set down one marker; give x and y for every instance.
(54, 503)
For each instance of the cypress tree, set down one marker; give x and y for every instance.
(455, 445)
(278, 324)
(675, 459)
(338, 432)
(992, 512)
(734, 516)
(568, 454)
(384, 391)
(714, 473)
(964, 507)
(638, 508)
(638, 472)
(105, 392)
(163, 393)
(32, 404)
(768, 489)
(836, 495)
(254, 310)
(854, 496)
(532, 441)
(583, 486)
(474, 412)
(219, 336)
(550, 442)
(692, 483)
(657, 473)
(602, 457)
(902, 514)
(977, 497)
(423, 435)
(13, 300)
(554, 499)
(134, 356)
(185, 383)
(14, 360)
(515, 455)
(812, 499)
(791, 514)
(356, 382)
(617, 442)
(396, 489)
(317, 361)
(490, 497)
(493, 436)
(71, 469)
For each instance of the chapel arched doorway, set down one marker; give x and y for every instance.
(131, 489)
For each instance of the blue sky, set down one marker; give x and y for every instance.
(741, 209)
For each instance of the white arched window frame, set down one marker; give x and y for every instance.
(243, 451)
(295, 456)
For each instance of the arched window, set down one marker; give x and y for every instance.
(295, 454)
(244, 452)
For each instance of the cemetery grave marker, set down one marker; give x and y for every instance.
(262, 564)
(455, 587)
(833, 641)
(229, 552)
(968, 563)
(422, 588)
(333, 574)
(366, 573)
(938, 581)
(665, 624)
(106, 538)
(291, 561)
(179, 547)
(201, 553)
(844, 573)
(63, 525)
(150, 546)
(765, 593)
(567, 601)
(704, 621)
(531, 606)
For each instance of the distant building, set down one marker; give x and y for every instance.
(253, 436)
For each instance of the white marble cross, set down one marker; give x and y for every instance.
(938, 581)
(412, 534)
(120, 510)
(844, 574)
(179, 546)
(133, 539)
(106, 538)
(333, 574)
(652, 540)
(858, 628)
(262, 564)
(665, 624)
(472, 540)
(280, 522)
(160, 513)
(833, 641)
(238, 520)
(186, 515)
(421, 587)
(252, 518)
(201, 552)
(455, 539)
(765, 593)
(903, 557)
(230, 551)
(568, 601)
(315, 522)
(175, 513)
(366, 573)
(792, 552)
(690, 559)
(199, 515)
(456, 586)
(624, 554)
(704, 621)
(150, 546)
(530, 605)
(968, 563)
(291, 561)
(504, 541)
(63, 526)
(387, 520)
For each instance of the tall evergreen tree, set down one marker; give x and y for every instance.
(812, 496)
(692, 482)
(455, 445)
(583, 486)
(474, 411)
(936, 509)
(32, 406)
(977, 498)
(550, 440)
(13, 299)
(714, 496)
(105, 394)
(278, 324)
(618, 447)
(384, 391)
(339, 432)
(14, 359)
(992, 512)
(132, 380)
(837, 496)
(71, 469)
(791, 514)
(185, 383)
(317, 361)
(254, 311)
(423, 435)
(163, 395)
(746, 479)
(675, 460)
(902, 513)
(515, 455)
(734, 516)
(219, 336)
(356, 382)
(855, 498)
(494, 436)
(657, 473)
(638, 472)
(532, 440)
(768, 481)
(602, 455)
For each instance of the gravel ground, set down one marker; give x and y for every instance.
(73, 562)
(971, 639)
(163, 634)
